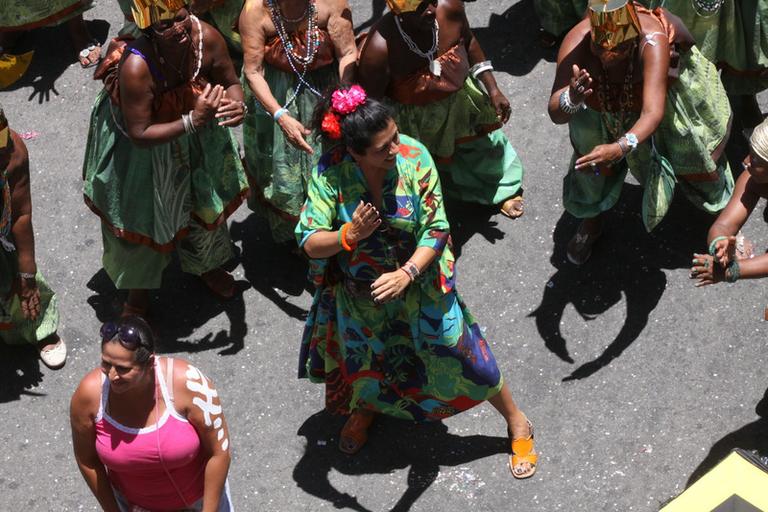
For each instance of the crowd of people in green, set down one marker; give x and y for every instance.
(352, 146)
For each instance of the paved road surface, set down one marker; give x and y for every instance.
(624, 434)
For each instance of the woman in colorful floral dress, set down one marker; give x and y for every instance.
(387, 331)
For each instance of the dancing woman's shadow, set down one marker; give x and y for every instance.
(393, 444)
(627, 262)
(752, 437)
(177, 311)
(19, 371)
(467, 219)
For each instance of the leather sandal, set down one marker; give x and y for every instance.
(513, 207)
(355, 432)
(522, 452)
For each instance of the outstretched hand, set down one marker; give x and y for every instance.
(295, 132)
(365, 220)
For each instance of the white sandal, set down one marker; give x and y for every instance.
(54, 357)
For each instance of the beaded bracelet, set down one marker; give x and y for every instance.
(712, 248)
(733, 272)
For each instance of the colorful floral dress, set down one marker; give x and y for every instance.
(421, 357)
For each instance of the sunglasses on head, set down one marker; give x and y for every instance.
(128, 336)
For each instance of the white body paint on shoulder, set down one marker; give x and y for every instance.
(198, 383)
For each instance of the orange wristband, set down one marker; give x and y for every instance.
(344, 243)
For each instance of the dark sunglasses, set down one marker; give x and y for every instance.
(129, 337)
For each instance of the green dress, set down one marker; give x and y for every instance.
(278, 172)
(14, 328)
(30, 14)
(695, 122)
(154, 200)
(420, 357)
(456, 121)
(735, 39)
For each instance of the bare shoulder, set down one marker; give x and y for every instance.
(376, 41)
(575, 41)
(188, 380)
(211, 35)
(650, 23)
(253, 14)
(452, 8)
(18, 167)
(86, 398)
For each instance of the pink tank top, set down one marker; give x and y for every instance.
(132, 456)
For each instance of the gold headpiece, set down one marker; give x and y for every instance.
(403, 6)
(613, 22)
(147, 12)
(5, 132)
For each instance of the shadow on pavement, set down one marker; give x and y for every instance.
(752, 437)
(377, 7)
(466, 219)
(272, 270)
(393, 444)
(626, 262)
(510, 40)
(177, 311)
(19, 371)
(53, 55)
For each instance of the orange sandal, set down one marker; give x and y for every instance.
(522, 452)
(355, 431)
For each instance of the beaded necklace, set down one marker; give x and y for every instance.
(707, 8)
(434, 65)
(608, 96)
(312, 45)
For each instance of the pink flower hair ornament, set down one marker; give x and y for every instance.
(346, 101)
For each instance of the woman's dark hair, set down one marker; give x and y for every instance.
(134, 334)
(358, 127)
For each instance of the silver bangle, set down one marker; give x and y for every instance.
(26, 275)
(567, 106)
(185, 121)
(480, 67)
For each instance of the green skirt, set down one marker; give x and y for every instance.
(224, 17)
(149, 196)
(14, 328)
(695, 122)
(735, 39)
(30, 14)
(278, 172)
(558, 16)
(475, 159)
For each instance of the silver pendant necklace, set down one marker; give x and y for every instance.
(434, 65)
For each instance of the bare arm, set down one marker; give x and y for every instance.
(735, 214)
(343, 37)
(373, 66)
(199, 401)
(655, 69)
(82, 412)
(571, 54)
(21, 206)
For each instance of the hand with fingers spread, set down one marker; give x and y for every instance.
(29, 297)
(365, 220)
(389, 286)
(580, 87)
(295, 132)
(207, 105)
(725, 250)
(706, 270)
(231, 112)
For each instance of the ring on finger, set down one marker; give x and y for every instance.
(580, 89)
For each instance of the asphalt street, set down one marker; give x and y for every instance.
(664, 380)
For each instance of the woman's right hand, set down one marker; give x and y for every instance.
(295, 132)
(580, 85)
(365, 220)
(725, 250)
(207, 105)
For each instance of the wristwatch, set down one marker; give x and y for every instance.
(632, 141)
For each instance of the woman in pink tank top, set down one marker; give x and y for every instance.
(148, 432)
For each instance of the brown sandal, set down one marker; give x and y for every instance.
(355, 432)
(513, 207)
(522, 452)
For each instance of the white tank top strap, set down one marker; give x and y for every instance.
(104, 396)
(166, 388)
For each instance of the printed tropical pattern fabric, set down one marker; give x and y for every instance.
(696, 118)
(29, 14)
(420, 357)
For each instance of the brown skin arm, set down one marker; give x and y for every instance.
(253, 18)
(655, 70)
(746, 194)
(136, 95)
(373, 65)
(222, 71)
(217, 467)
(82, 412)
(573, 51)
(21, 205)
(341, 31)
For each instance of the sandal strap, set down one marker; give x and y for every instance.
(522, 447)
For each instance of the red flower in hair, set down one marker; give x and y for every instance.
(330, 126)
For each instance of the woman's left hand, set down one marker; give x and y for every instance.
(29, 297)
(389, 286)
(501, 104)
(232, 111)
(602, 154)
(706, 270)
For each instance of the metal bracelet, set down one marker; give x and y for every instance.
(26, 275)
(245, 108)
(480, 67)
(567, 106)
(192, 121)
(187, 123)
(713, 244)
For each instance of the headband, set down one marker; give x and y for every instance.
(613, 22)
(147, 12)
